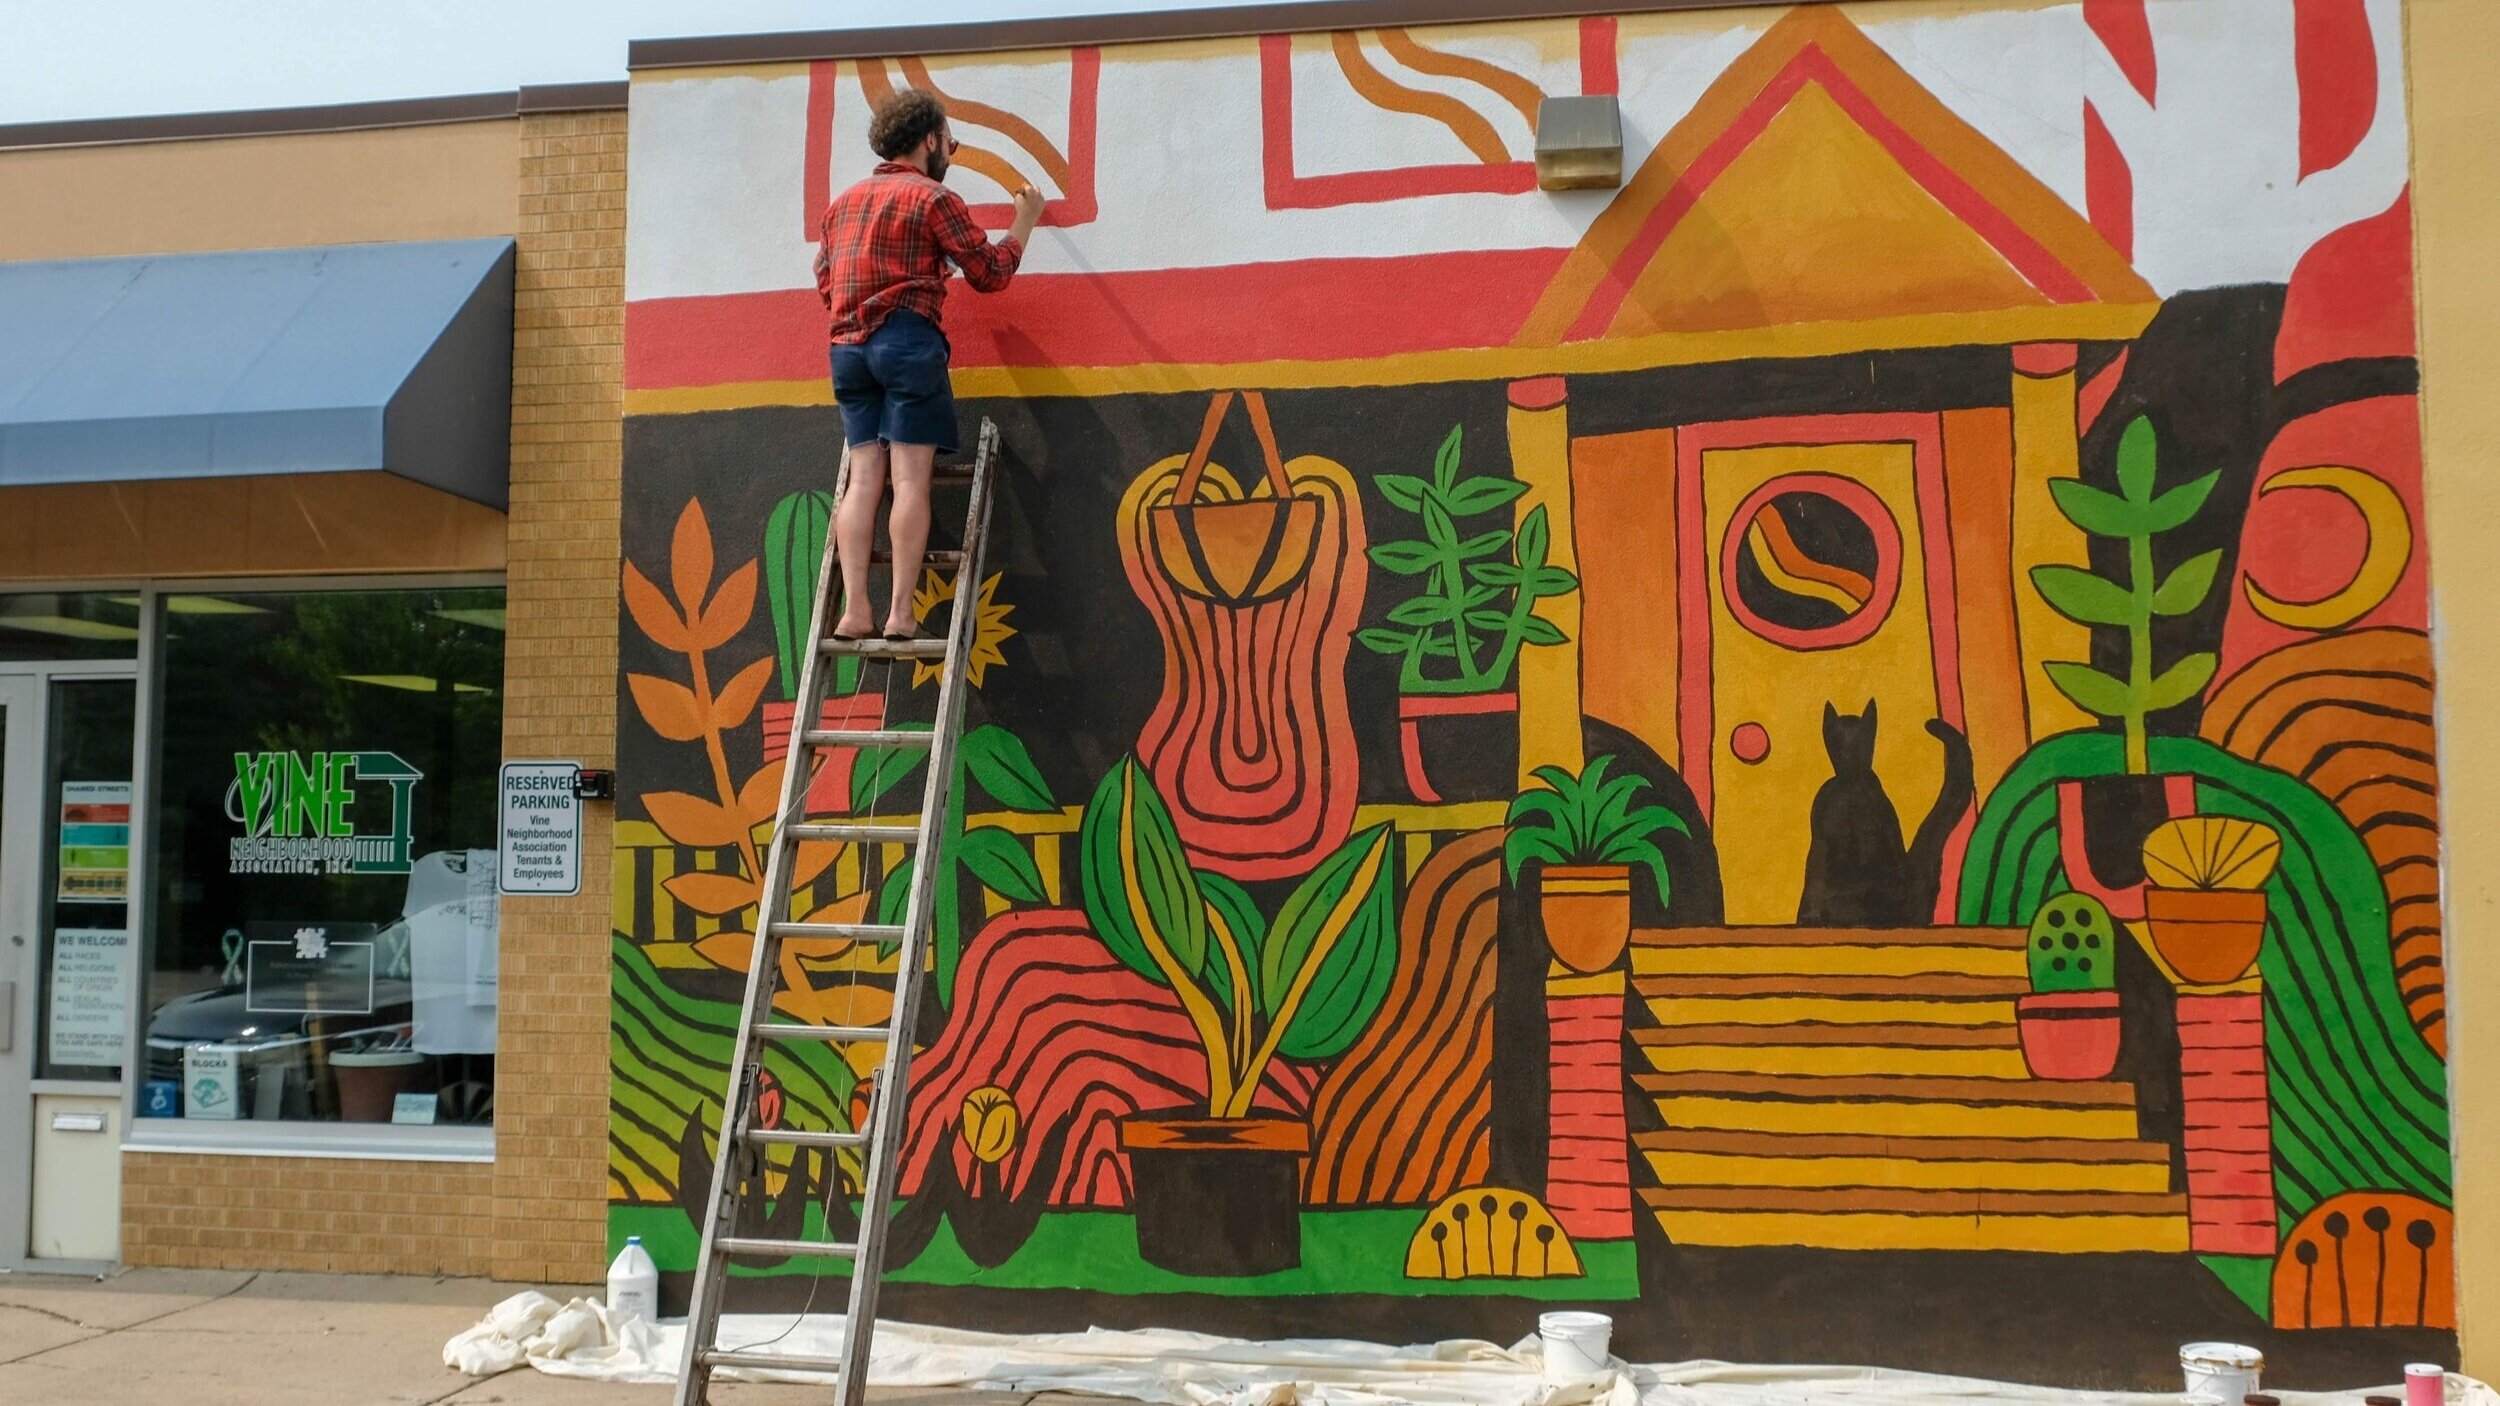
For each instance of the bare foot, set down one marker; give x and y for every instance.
(850, 629)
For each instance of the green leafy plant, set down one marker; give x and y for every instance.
(2135, 514)
(794, 552)
(1462, 631)
(2072, 945)
(996, 760)
(1588, 819)
(1303, 986)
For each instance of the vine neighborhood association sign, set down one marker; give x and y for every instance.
(294, 808)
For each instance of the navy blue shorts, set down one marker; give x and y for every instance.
(893, 386)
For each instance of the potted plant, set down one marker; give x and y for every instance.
(1217, 1191)
(794, 551)
(2205, 901)
(2107, 818)
(2069, 1023)
(1588, 835)
(1458, 637)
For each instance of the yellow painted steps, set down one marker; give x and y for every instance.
(1877, 1218)
(1953, 1051)
(1696, 1158)
(1828, 952)
(1892, 1106)
(1931, 998)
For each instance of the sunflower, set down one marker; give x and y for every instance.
(990, 631)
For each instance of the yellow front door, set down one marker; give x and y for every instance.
(1817, 585)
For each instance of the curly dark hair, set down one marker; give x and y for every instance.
(903, 121)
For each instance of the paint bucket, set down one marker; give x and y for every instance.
(2226, 1370)
(1575, 1345)
(2426, 1384)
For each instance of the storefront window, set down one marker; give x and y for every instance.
(324, 919)
(69, 625)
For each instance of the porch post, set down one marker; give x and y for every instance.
(1549, 675)
(2045, 449)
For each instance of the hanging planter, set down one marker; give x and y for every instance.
(1241, 553)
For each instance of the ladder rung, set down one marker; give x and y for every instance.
(746, 1245)
(933, 557)
(854, 932)
(955, 471)
(770, 1361)
(926, 647)
(875, 737)
(855, 834)
(826, 1034)
(788, 1137)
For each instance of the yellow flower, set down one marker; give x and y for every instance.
(990, 630)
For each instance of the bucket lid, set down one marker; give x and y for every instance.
(1573, 1321)
(2230, 1357)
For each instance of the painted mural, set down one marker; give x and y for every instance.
(1829, 750)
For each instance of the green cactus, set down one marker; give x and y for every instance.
(794, 551)
(2135, 515)
(2072, 945)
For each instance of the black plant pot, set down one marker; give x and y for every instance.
(2118, 813)
(1218, 1197)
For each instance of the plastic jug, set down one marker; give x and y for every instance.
(633, 1284)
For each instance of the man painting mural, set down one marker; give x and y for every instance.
(881, 270)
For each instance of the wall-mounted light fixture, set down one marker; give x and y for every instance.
(1579, 143)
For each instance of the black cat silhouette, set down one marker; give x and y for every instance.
(1858, 873)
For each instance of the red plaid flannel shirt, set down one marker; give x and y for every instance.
(885, 246)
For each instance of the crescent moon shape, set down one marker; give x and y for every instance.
(2382, 562)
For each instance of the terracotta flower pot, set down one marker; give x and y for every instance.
(2208, 936)
(2069, 1034)
(1588, 913)
(1220, 1197)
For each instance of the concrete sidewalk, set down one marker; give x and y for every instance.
(164, 1337)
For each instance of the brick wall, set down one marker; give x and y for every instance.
(539, 1213)
(550, 1175)
(333, 1215)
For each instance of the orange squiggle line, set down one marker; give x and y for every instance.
(878, 87)
(1054, 163)
(1508, 86)
(1381, 91)
(1798, 562)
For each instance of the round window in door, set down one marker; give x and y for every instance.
(1811, 561)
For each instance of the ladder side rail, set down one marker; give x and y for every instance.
(892, 1095)
(711, 1272)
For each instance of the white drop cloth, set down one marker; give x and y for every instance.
(1174, 1368)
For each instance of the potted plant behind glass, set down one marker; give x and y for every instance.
(2205, 900)
(1457, 639)
(1218, 1191)
(1587, 834)
(2103, 819)
(2069, 1024)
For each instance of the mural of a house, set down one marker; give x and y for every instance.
(1758, 696)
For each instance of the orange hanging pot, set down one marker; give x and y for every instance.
(1241, 553)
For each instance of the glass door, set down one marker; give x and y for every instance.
(19, 915)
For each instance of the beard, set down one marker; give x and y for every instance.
(939, 165)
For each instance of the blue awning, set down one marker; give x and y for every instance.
(355, 357)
